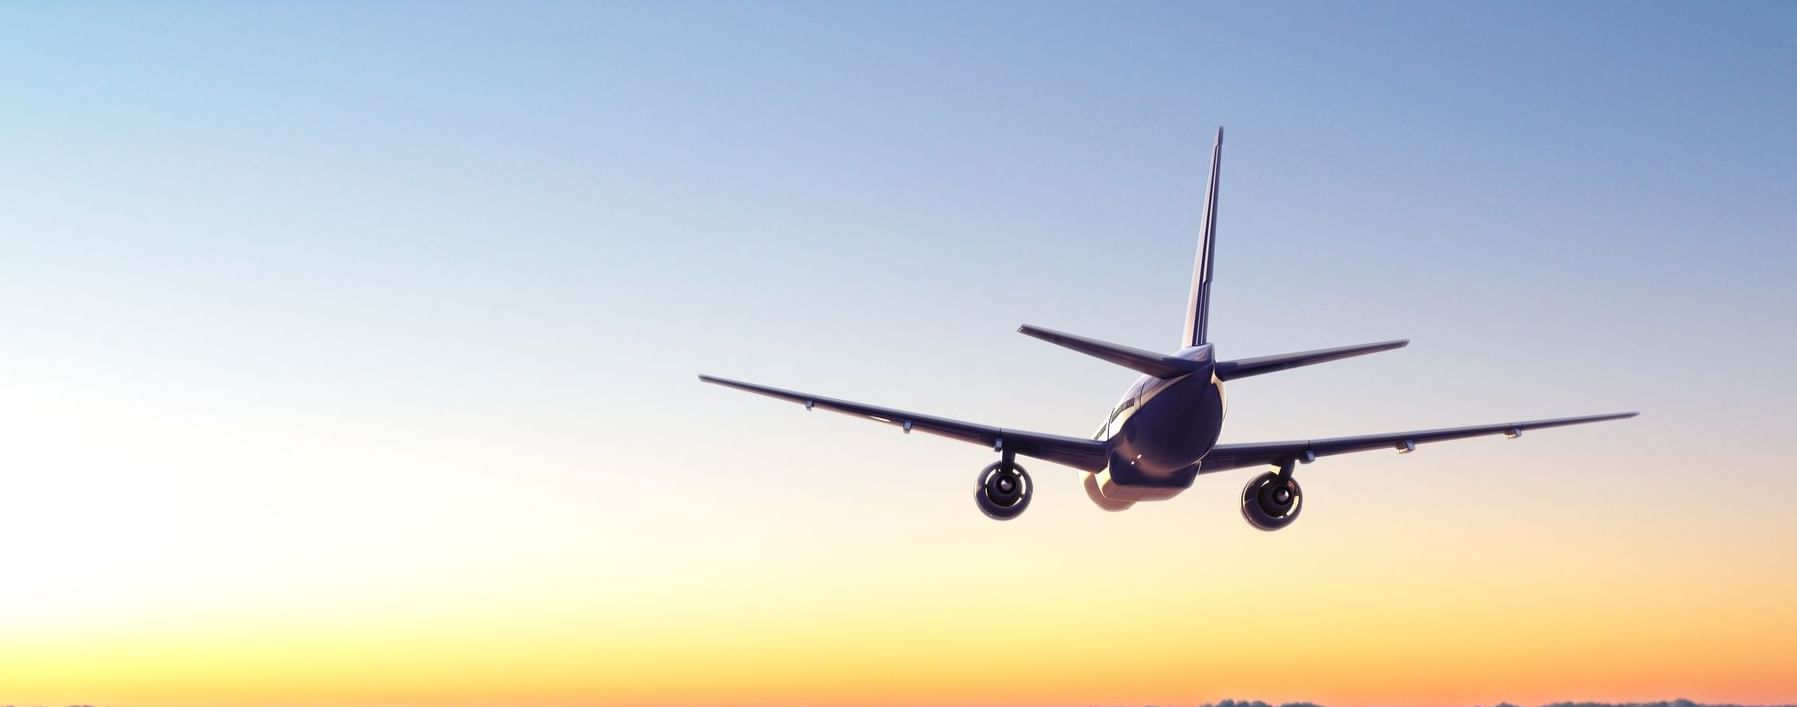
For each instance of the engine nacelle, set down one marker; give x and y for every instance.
(1004, 490)
(1271, 502)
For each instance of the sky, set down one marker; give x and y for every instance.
(349, 350)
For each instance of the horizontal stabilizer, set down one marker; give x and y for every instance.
(1149, 362)
(1230, 370)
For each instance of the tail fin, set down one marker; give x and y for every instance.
(1198, 310)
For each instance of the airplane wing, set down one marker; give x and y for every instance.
(1235, 456)
(1083, 454)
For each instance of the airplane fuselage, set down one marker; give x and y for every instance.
(1158, 434)
(1164, 431)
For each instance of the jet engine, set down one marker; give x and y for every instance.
(1272, 501)
(1004, 490)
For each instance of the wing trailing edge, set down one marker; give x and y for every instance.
(1224, 457)
(1082, 454)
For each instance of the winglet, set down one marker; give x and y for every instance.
(1198, 305)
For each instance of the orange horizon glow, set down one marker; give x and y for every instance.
(1386, 625)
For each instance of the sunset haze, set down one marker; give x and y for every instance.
(348, 351)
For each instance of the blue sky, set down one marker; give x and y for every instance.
(466, 259)
(653, 189)
(573, 204)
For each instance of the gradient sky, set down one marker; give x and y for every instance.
(347, 352)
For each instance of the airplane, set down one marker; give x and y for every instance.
(1163, 434)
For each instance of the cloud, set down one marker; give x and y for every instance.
(1673, 703)
(1258, 703)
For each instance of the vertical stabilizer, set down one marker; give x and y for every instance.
(1198, 308)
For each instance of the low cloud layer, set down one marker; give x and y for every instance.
(1503, 704)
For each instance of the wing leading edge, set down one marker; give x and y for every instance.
(1083, 454)
(1235, 456)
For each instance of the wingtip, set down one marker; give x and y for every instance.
(1219, 135)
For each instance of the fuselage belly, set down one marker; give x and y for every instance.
(1159, 433)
